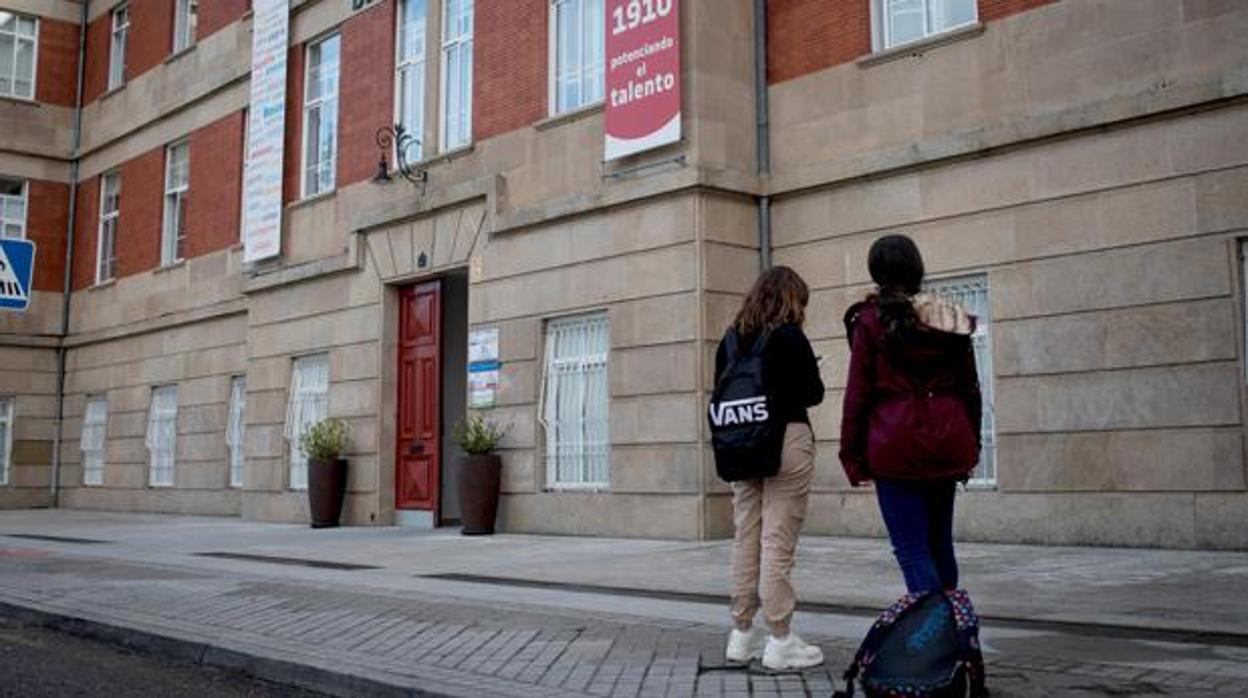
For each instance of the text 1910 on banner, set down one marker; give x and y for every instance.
(643, 75)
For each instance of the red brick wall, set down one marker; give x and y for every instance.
(57, 72)
(292, 159)
(366, 91)
(212, 209)
(95, 75)
(996, 9)
(47, 218)
(85, 231)
(142, 206)
(509, 77)
(218, 14)
(804, 36)
(151, 35)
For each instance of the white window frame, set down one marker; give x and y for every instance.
(576, 380)
(236, 430)
(322, 104)
(8, 406)
(162, 436)
(106, 236)
(973, 293)
(185, 23)
(881, 23)
(415, 66)
(308, 402)
(18, 39)
(8, 202)
(118, 45)
(586, 65)
(173, 233)
(94, 440)
(461, 43)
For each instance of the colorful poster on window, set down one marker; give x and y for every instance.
(266, 129)
(643, 75)
(483, 368)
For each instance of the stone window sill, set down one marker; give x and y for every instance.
(313, 199)
(449, 155)
(175, 57)
(570, 116)
(176, 264)
(23, 101)
(100, 286)
(108, 94)
(921, 46)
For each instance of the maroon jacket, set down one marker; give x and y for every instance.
(912, 408)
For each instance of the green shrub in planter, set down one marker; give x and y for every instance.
(324, 440)
(477, 435)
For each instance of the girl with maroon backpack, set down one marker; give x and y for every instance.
(912, 411)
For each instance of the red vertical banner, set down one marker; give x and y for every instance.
(643, 75)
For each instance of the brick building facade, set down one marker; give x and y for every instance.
(1076, 170)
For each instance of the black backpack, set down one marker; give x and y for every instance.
(745, 433)
(923, 646)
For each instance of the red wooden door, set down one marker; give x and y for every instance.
(419, 422)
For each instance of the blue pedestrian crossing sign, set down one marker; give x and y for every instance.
(17, 267)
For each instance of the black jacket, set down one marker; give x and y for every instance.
(789, 369)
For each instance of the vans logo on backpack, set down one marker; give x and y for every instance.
(748, 411)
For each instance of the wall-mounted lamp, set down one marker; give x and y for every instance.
(397, 138)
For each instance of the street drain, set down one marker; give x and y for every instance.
(299, 562)
(56, 539)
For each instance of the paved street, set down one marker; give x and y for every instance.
(369, 611)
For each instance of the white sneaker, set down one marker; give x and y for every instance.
(791, 653)
(745, 647)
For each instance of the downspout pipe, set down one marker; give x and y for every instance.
(75, 146)
(763, 124)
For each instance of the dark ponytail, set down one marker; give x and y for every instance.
(897, 269)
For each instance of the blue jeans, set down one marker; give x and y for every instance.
(919, 517)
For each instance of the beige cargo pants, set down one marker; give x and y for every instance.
(768, 515)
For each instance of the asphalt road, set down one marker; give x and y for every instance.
(38, 662)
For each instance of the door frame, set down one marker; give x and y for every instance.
(436, 464)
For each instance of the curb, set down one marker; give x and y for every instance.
(278, 671)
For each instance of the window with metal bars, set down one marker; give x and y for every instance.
(971, 292)
(309, 403)
(235, 430)
(19, 45)
(900, 22)
(162, 435)
(575, 397)
(577, 47)
(94, 430)
(6, 437)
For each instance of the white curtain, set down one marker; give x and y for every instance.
(162, 435)
(6, 438)
(94, 426)
(308, 403)
(235, 430)
(575, 403)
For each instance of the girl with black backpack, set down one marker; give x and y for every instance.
(765, 446)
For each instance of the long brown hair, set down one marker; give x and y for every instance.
(779, 296)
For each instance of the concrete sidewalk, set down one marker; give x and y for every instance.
(357, 611)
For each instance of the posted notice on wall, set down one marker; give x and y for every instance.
(483, 368)
(266, 128)
(643, 76)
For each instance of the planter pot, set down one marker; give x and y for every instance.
(478, 493)
(327, 485)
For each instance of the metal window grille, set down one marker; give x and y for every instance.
(578, 36)
(320, 116)
(456, 73)
(410, 73)
(235, 430)
(94, 431)
(162, 435)
(117, 51)
(106, 247)
(6, 437)
(309, 403)
(177, 184)
(971, 292)
(575, 399)
(903, 21)
(19, 44)
(13, 195)
(184, 24)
